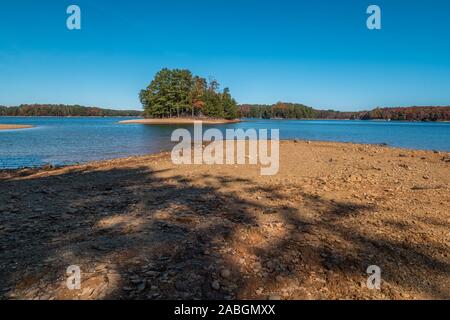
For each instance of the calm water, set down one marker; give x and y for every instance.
(62, 141)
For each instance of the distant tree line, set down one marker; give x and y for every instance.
(208, 102)
(283, 110)
(61, 110)
(279, 110)
(179, 93)
(409, 114)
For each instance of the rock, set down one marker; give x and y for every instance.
(215, 285)
(274, 297)
(225, 273)
(99, 247)
(152, 273)
(136, 281)
(270, 265)
(256, 267)
(72, 211)
(14, 195)
(141, 287)
(354, 178)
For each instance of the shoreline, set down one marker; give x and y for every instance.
(49, 166)
(241, 119)
(309, 232)
(176, 121)
(14, 126)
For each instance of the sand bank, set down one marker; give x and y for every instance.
(14, 126)
(178, 121)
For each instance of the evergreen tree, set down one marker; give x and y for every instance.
(179, 93)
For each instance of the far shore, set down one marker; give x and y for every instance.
(179, 121)
(14, 126)
(218, 121)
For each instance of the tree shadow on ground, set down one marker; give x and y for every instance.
(138, 233)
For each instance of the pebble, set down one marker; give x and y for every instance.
(225, 273)
(141, 287)
(215, 285)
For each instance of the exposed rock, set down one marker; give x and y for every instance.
(215, 285)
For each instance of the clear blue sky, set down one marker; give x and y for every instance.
(319, 53)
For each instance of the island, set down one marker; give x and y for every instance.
(179, 97)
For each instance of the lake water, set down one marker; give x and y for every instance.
(61, 141)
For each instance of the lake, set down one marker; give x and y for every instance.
(61, 141)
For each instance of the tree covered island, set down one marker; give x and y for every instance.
(178, 93)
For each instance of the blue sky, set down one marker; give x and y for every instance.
(319, 53)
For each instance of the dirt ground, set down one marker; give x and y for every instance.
(144, 228)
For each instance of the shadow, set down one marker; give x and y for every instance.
(140, 233)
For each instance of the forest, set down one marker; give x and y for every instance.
(206, 101)
(409, 114)
(179, 93)
(61, 110)
(283, 110)
(279, 110)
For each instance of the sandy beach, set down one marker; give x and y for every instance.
(14, 126)
(178, 121)
(144, 228)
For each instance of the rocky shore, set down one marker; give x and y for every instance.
(144, 228)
